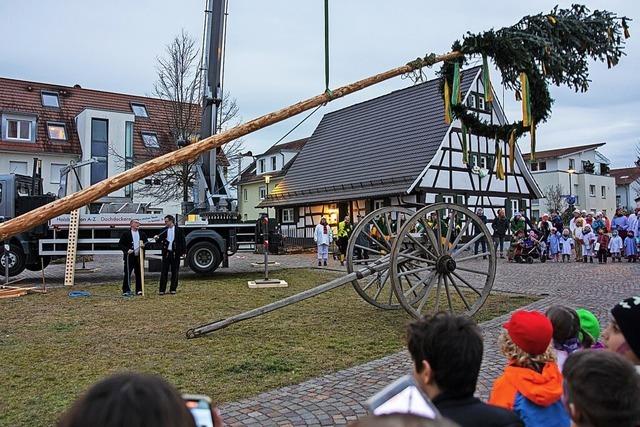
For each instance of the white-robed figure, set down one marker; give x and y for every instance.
(588, 240)
(323, 236)
(566, 245)
(615, 246)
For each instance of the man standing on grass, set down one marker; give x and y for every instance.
(173, 243)
(130, 246)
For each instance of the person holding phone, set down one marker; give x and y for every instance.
(174, 246)
(129, 400)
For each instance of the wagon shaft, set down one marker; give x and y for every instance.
(374, 268)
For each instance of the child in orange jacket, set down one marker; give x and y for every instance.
(531, 384)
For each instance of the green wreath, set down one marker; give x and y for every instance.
(539, 49)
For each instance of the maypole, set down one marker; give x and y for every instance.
(552, 47)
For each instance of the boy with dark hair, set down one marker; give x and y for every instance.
(447, 352)
(601, 389)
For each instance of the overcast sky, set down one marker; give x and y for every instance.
(275, 55)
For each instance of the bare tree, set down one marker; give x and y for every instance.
(636, 183)
(554, 198)
(180, 85)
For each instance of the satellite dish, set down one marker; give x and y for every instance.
(483, 172)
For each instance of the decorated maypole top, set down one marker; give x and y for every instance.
(540, 49)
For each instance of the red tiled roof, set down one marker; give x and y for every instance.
(625, 176)
(560, 152)
(19, 96)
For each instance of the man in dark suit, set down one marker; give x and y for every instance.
(130, 243)
(174, 246)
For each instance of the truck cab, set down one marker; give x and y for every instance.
(20, 194)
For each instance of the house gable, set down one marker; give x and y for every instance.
(447, 175)
(374, 148)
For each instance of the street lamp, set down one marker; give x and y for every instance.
(267, 180)
(570, 172)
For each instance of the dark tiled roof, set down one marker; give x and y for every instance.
(286, 146)
(559, 152)
(19, 96)
(625, 176)
(375, 147)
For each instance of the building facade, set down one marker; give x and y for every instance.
(627, 186)
(271, 166)
(397, 150)
(61, 125)
(580, 171)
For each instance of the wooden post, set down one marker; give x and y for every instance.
(190, 152)
(142, 266)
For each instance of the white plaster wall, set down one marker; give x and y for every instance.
(49, 185)
(115, 162)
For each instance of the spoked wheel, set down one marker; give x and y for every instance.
(370, 241)
(433, 258)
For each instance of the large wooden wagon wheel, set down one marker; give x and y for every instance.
(433, 257)
(370, 241)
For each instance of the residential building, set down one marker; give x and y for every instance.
(397, 150)
(627, 186)
(61, 125)
(252, 186)
(580, 171)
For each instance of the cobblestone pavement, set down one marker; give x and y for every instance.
(338, 398)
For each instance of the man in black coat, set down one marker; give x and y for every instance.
(447, 352)
(130, 246)
(174, 246)
(500, 227)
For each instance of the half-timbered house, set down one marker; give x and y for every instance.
(397, 149)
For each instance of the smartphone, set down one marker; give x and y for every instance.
(200, 407)
(402, 396)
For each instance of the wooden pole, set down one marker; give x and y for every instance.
(103, 188)
(142, 266)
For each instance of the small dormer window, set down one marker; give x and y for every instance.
(57, 131)
(273, 163)
(150, 140)
(139, 110)
(471, 101)
(50, 99)
(261, 166)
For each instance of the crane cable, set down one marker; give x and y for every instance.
(326, 74)
(326, 48)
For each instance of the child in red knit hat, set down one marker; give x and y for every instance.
(531, 384)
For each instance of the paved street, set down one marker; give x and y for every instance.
(338, 398)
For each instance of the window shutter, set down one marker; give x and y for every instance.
(439, 198)
(507, 208)
(460, 200)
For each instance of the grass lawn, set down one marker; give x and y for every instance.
(53, 347)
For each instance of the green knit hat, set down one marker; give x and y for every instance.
(589, 323)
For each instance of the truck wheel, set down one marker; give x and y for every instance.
(16, 260)
(204, 257)
(36, 265)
